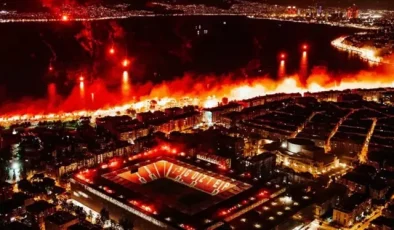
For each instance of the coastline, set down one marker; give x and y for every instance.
(149, 15)
(363, 53)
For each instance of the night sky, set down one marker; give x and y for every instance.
(375, 4)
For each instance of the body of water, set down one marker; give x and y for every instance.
(159, 49)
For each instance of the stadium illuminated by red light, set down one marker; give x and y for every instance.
(187, 188)
(155, 183)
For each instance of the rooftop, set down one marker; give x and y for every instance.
(301, 141)
(17, 226)
(223, 107)
(383, 221)
(378, 184)
(352, 201)
(39, 206)
(4, 184)
(357, 178)
(61, 217)
(85, 225)
(365, 169)
(329, 193)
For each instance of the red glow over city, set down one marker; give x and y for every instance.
(190, 86)
(65, 18)
(193, 86)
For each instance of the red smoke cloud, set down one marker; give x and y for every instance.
(190, 85)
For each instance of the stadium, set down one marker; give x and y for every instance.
(161, 189)
(183, 186)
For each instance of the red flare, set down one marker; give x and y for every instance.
(125, 62)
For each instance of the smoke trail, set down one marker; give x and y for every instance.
(53, 58)
(86, 39)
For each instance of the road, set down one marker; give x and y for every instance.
(314, 225)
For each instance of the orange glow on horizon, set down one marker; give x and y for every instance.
(202, 91)
(65, 18)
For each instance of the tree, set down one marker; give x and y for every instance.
(24, 185)
(90, 215)
(126, 223)
(48, 182)
(104, 215)
(80, 213)
(23, 173)
(14, 176)
(98, 221)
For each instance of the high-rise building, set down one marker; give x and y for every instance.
(319, 10)
(352, 12)
(291, 10)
